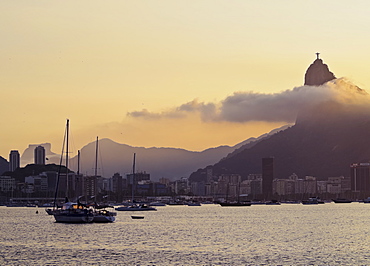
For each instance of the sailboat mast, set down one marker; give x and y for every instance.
(78, 162)
(133, 178)
(96, 158)
(67, 152)
(96, 166)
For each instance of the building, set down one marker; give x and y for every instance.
(137, 177)
(284, 186)
(39, 183)
(360, 178)
(117, 186)
(90, 186)
(14, 160)
(7, 183)
(310, 185)
(267, 176)
(181, 186)
(39, 155)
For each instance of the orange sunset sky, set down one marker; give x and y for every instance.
(165, 73)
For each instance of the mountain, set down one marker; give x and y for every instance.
(318, 73)
(326, 138)
(28, 154)
(114, 157)
(169, 163)
(321, 147)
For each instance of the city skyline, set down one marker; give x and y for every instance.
(167, 73)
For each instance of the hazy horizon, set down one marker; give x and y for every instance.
(191, 75)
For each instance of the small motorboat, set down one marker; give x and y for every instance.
(137, 217)
(136, 207)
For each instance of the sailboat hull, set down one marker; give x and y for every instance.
(103, 219)
(70, 217)
(104, 216)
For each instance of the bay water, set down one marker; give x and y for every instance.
(286, 234)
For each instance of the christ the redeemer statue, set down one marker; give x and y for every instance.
(317, 55)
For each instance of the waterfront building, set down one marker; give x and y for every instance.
(139, 176)
(334, 185)
(267, 176)
(39, 157)
(322, 186)
(310, 185)
(360, 177)
(14, 160)
(90, 186)
(7, 183)
(117, 186)
(198, 188)
(181, 186)
(284, 186)
(39, 183)
(164, 181)
(256, 187)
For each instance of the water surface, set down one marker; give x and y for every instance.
(289, 234)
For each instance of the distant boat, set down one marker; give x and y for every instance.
(272, 202)
(235, 204)
(342, 200)
(137, 217)
(136, 207)
(312, 201)
(193, 203)
(174, 203)
(367, 200)
(73, 213)
(102, 215)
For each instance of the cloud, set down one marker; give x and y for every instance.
(207, 111)
(284, 106)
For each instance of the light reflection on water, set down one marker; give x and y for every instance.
(289, 234)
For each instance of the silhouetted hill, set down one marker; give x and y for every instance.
(159, 162)
(114, 157)
(33, 169)
(325, 140)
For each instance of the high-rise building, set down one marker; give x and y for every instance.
(360, 177)
(14, 161)
(267, 176)
(40, 155)
(90, 186)
(117, 187)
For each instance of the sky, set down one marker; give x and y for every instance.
(169, 73)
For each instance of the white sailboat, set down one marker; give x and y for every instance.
(69, 212)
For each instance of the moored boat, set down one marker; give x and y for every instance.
(136, 207)
(137, 217)
(104, 216)
(73, 213)
(312, 201)
(342, 200)
(235, 204)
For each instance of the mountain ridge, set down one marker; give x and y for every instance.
(171, 163)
